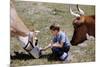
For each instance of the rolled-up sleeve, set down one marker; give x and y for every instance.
(63, 38)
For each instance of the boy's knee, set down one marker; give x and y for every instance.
(57, 51)
(66, 49)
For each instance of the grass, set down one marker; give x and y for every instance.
(40, 16)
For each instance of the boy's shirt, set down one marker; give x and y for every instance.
(61, 37)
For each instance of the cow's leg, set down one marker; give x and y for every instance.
(18, 28)
(17, 25)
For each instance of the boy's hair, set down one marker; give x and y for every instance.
(55, 27)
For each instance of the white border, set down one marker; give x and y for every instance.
(5, 36)
(4, 33)
(86, 2)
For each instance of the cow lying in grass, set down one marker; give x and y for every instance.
(84, 27)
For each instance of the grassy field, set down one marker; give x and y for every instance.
(40, 16)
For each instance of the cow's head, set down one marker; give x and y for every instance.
(80, 29)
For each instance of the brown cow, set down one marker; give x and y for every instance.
(84, 27)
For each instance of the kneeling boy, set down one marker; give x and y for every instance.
(60, 44)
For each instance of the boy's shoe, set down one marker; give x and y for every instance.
(64, 56)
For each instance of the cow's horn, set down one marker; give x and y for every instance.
(80, 11)
(76, 15)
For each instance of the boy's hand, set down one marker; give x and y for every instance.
(57, 45)
(54, 45)
(49, 46)
(42, 49)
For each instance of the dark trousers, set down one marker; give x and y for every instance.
(59, 51)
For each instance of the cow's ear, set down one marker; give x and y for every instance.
(36, 32)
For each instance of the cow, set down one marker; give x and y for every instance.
(84, 26)
(19, 30)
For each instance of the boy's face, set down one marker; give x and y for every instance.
(54, 32)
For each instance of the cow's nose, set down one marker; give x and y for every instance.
(72, 43)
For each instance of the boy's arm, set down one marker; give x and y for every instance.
(53, 45)
(49, 46)
(58, 45)
(45, 48)
(62, 40)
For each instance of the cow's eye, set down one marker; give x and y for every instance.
(75, 26)
(78, 18)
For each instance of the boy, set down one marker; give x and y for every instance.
(60, 44)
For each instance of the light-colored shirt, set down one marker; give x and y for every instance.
(61, 37)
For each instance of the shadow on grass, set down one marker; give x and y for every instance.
(24, 56)
(49, 57)
(21, 56)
